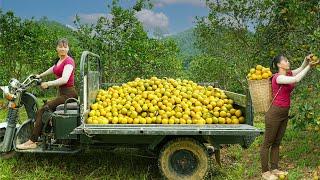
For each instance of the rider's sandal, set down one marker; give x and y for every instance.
(278, 172)
(26, 145)
(269, 176)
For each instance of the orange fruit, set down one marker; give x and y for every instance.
(235, 121)
(209, 120)
(253, 76)
(252, 70)
(238, 113)
(222, 120)
(223, 114)
(259, 77)
(228, 120)
(265, 75)
(241, 119)
(259, 67)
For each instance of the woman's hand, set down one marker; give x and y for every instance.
(38, 76)
(314, 61)
(309, 57)
(44, 85)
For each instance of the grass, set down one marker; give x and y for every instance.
(300, 155)
(92, 165)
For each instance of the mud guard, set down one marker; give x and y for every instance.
(23, 133)
(30, 103)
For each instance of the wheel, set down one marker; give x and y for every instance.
(6, 155)
(2, 133)
(184, 158)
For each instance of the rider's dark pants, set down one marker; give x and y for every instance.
(64, 94)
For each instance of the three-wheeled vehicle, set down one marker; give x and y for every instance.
(181, 149)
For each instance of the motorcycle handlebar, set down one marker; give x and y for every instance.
(30, 79)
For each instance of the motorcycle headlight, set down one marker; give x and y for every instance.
(14, 83)
(6, 93)
(5, 89)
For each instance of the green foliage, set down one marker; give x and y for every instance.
(305, 112)
(236, 35)
(28, 46)
(126, 50)
(290, 29)
(206, 68)
(185, 41)
(231, 47)
(244, 33)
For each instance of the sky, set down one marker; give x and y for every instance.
(171, 16)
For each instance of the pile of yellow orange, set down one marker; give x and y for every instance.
(163, 101)
(259, 73)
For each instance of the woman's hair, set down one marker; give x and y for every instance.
(273, 65)
(63, 41)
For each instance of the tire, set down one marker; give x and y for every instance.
(2, 132)
(184, 158)
(7, 155)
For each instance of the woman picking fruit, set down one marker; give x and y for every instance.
(64, 72)
(276, 118)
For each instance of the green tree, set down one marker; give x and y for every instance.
(247, 32)
(126, 49)
(28, 46)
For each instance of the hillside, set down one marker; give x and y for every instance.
(185, 40)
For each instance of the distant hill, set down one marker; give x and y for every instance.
(185, 40)
(54, 24)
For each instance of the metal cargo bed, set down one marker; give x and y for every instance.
(156, 129)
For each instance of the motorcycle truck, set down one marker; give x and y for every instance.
(183, 150)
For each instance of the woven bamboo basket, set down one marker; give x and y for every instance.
(261, 94)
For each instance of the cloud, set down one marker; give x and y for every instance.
(92, 18)
(152, 20)
(162, 3)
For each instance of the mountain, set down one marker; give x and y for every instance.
(185, 41)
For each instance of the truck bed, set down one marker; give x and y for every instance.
(156, 129)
